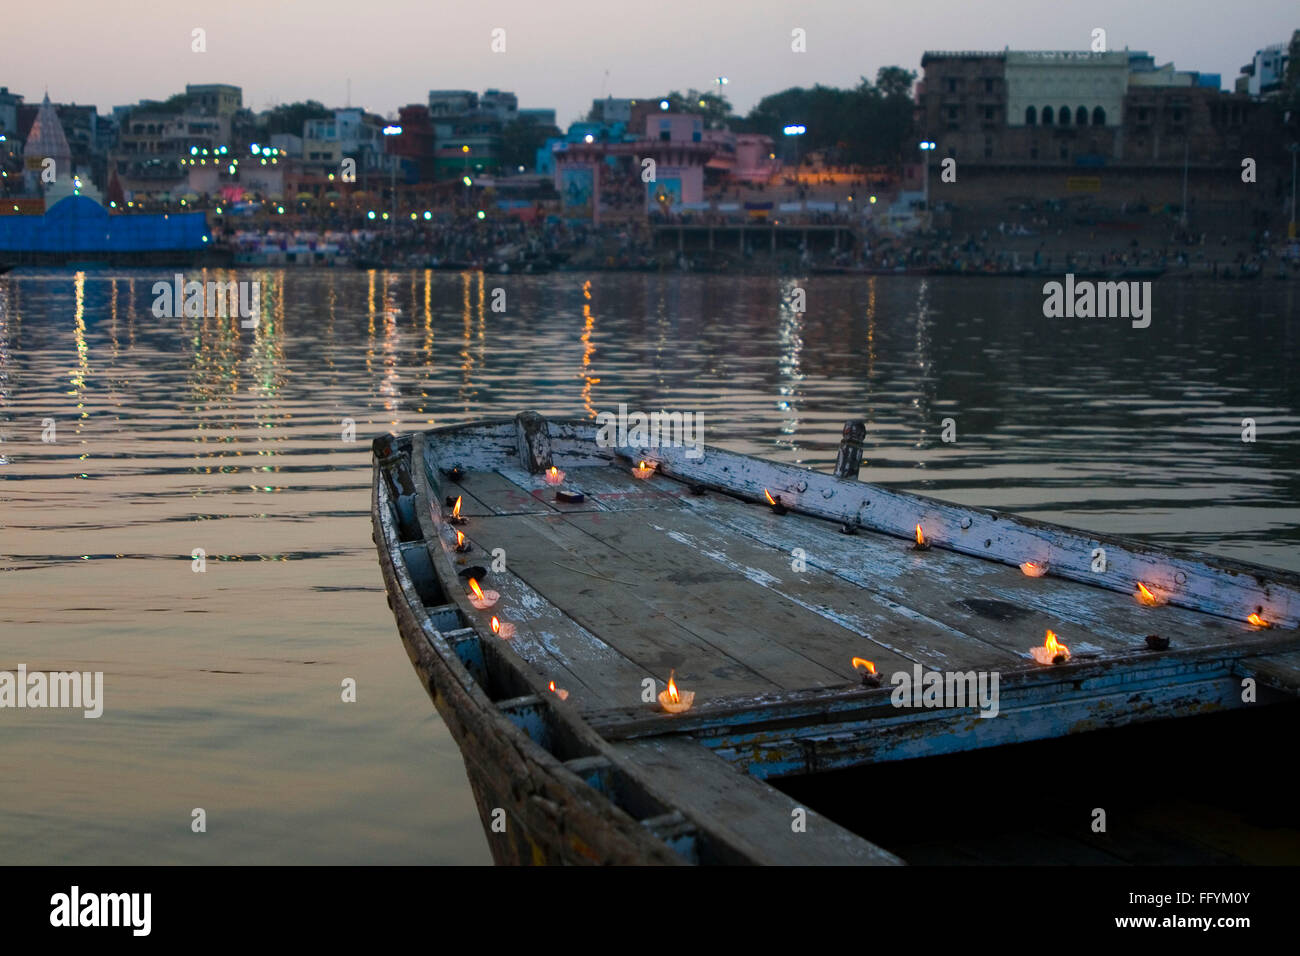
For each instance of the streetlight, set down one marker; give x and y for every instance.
(1290, 232)
(393, 130)
(926, 146)
(795, 130)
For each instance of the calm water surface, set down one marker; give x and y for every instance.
(223, 688)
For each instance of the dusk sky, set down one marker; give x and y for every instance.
(564, 54)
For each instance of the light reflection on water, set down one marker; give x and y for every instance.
(223, 688)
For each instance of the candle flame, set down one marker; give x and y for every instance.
(496, 625)
(455, 509)
(1258, 621)
(863, 662)
(552, 687)
(554, 471)
(1145, 596)
(478, 591)
(920, 536)
(672, 688)
(1054, 647)
(768, 495)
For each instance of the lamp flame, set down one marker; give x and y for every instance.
(644, 469)
(503, 629)
(1258, 621)
(478, 591)
(1034, 569)
(674, 701)
(559, 692)
(455, 509)
(1145, 596)
(554, 476)
(460, 540)
(496, 625)
(768, 495)
(921, 543)
(863, 662)
(1052, 651)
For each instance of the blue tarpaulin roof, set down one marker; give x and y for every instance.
(79, 224)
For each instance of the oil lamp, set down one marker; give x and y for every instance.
(869, 675)
(482, 600)
(1052, 651)
(674, 701)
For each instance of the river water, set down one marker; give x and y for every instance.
(222, 688)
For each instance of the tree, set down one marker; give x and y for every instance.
(290, 117)
(869, 124)
(521, 138)
(714, 108)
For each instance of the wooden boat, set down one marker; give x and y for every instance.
(755, 585)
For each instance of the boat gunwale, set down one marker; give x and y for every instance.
(464, 704)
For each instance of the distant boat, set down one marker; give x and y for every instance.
(76, 229)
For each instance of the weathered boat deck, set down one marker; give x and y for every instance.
(760, 615)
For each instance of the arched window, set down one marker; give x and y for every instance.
(1047, 116)
(1081, 116)
(1031, 116)
(1063, 117)
(1099, 117)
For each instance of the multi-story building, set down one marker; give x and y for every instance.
(1265, 74)
(500, 105)
(1074, 108)
(1061, 88)
(215, 99)
(452, 103)
(961, 101)
(1111, 124)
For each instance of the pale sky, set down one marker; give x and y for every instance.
(564, 53)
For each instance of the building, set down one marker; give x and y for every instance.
(501, 106)
(415, 144)
(1265, 74)
(215, 99)
(452, 103)
(961, 101)
(1061, 87)
(1110, 128)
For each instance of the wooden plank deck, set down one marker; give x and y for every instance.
(708, 586)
